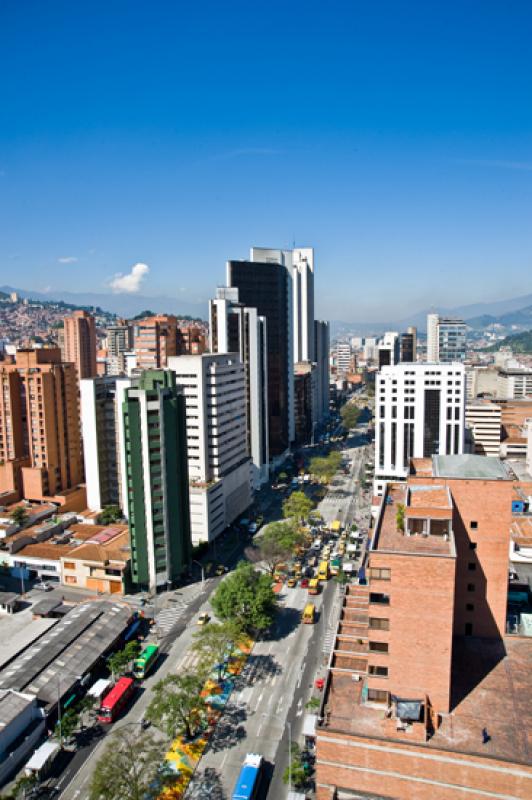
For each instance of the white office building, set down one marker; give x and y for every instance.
(101, 420)
(388, 349)
(420, 412)
(234, 328)
(514, 383)
(343, 358)
(446, 339)
(483, 425)
(219, 466)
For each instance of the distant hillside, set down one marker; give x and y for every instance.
(518, 343)
(521, 317)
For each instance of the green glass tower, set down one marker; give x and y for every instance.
(155, 455)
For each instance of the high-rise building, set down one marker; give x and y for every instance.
(234, 328)
(414, 672)
(420, 412)
(300, 265)
(155, 341)
(101, 412)
(155, 461)
(446, 339)
(219, 466)
(343, 358)
(321, 354)
(80, 343)
(119, 342)
(305, 400)
(266, 287)
(388, 349)
(40, 440)
(408, 346)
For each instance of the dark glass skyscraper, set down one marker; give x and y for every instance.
(266, 287)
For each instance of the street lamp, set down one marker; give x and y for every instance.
(200, 565)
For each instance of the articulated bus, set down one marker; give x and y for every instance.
(145, 661)
(114, 702)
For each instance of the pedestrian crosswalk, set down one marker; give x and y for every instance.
(328, 641)
(189, 661)
(168, 617)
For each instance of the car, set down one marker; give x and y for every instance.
(253, 527)
(291, 583)
(220, 569)
(44, 587)
(304, 583)
(204, 618)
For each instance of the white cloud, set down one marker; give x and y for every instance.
(67, 260)
(130, 282)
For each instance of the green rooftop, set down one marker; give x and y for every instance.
(485, 468)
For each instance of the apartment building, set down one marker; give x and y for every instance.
(219, 465)
(101, 415)
(343, 358)
(155, 341)
(80, 343)
(446, 339)
(425, 696)
(419, 412)
(119, 342)
(40, 441)
(483, 425)
(234, 328)
(155, 463)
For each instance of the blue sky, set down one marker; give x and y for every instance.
(394, 137)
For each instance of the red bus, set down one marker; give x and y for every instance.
(115, 700)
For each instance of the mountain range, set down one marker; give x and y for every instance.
(514, 311)
(125, 305)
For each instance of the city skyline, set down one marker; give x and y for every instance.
(389, 142)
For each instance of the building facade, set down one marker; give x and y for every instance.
(483, 424)
(101, 410)
(321, 351)
(234, 328)
(40, 439)
(80, 343)
(266, 287)
(155, 459)
(419, 412)
(155, 341)
(446, 339)
(219, 465)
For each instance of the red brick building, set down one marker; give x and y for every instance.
(425, 696)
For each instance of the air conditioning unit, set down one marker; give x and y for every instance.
(356, 678)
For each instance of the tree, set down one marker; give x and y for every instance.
(400, 517)
(350, 414)
(215, 643)
(128, 768)
(326, 468)
(295, 774)
(21, 787)
(19, 515)
(313, 704)
(109, 515)
(298, 506)
(120, 662)
(176, 707)
(66, 727)
(246, 597)
(277, 543)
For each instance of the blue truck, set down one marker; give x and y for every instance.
(248, 782)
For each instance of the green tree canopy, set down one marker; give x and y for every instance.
(246, 597)
(326, 467)
(215, 642)
(176, 707)
(128, 768)
(19, 515)
(350, 414)
(109, 515)
(120, 662)
(298, 506)
(295, 774)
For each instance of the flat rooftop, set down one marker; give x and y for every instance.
(492, 687)
(470, 467)
(11, 705)
(388, 538)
